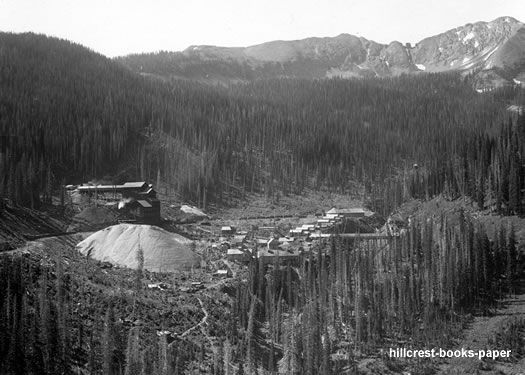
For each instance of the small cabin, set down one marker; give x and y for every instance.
(239, 239)
(145, 211)
(227, 230)
(223, 273)
(237, 255)
(347, 212)
(197, 285)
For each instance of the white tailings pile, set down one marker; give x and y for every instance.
(163, 251)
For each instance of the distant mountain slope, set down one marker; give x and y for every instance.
(495, 51)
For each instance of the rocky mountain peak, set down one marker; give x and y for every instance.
(494, 50)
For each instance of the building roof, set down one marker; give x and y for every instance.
(144, 203)
(275, 254)
(125, 186)
(239, 238)
(320, 235)
(98, 187)
(285, 245)
(133, 185)
(346, 211)
(235, 252)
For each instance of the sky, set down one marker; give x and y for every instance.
(120, 27)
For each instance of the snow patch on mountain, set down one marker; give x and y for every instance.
(469, 36)
(482, 48)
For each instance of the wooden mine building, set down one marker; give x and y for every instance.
(140, 199)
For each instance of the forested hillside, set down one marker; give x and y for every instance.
(69, 115)
(487, 167)
(73, 115)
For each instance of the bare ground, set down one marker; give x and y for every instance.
(479, 335)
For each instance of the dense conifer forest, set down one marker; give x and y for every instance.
(69, 115)
(72, 115)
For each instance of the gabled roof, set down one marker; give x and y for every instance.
(147, 192)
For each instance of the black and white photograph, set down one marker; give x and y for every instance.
(262, 187)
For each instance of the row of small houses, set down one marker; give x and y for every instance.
(280, 247)
(330, 219)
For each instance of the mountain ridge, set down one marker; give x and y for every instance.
(494, 51)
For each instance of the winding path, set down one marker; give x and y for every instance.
(203, 321)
